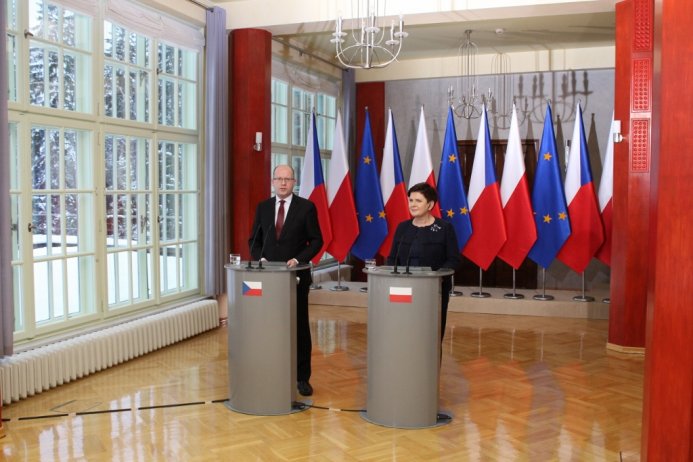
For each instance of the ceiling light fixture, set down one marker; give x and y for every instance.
(468, 103)
(367, 47)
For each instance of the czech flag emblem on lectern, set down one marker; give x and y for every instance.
(252, 288)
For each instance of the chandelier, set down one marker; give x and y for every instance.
(469, 101)
(501, 103)
(368, 45)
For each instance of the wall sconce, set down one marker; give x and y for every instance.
(617, 132)
(258, 141)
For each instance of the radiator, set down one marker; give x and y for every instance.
(33, 371)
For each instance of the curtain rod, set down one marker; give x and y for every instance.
(302, 51)
(202, 5)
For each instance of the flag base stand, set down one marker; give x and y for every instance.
(606, 300)
(514, 295)
(543, 297)
(339, 287)
(453, 292)
(582, 297)
(480, 293)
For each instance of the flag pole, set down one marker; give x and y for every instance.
(481, 293)
(543, 296)
(582, 297)
(453, 292)
(339, 287)
(514, 295)
(314, 285)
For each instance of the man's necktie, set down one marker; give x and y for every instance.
(280, 218)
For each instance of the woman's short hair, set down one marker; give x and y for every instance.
(426, 190)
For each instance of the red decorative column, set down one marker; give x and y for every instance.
(250, 100)
(668, 405)
(631, 223)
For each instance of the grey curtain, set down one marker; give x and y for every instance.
(6, 299)
(216, 152)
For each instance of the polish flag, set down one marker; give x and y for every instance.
(252, 288)
(517, 206)
(392, 187)
(587, 229)
(422, 166)
(340, 198)
(488, 224)
(606, 191)
(313, 187)
(401, 294)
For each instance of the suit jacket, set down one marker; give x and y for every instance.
(434, 246)
(300, 237)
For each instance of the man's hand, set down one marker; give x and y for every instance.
(291, 263)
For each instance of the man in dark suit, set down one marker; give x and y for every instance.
(287, 227)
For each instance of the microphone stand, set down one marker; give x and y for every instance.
(262, 250)
(252, 244)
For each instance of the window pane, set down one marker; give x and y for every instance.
(11, 14)
(12, 68)
(280, 124)
(18, 286)
(280, 92)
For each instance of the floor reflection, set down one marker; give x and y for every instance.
(519, 388)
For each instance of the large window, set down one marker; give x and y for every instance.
(292, 106)
(104, 163)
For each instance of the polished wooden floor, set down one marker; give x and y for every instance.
(520, 389)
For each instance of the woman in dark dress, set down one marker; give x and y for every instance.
(426, 241)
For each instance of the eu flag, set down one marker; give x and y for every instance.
(453, 201)
(369, 200)
(548, 200)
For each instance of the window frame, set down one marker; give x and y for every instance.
(23, 115)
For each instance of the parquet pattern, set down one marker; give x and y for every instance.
(519, 389)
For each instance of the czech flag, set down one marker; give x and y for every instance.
(485, 208)
(392, 186)
(586, 224)
(252, 288)
(313, 187)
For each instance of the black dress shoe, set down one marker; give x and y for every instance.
(304, 388)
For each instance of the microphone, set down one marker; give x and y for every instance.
(264, 243)
(252, 244)
(416, 234)
(399, 246)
